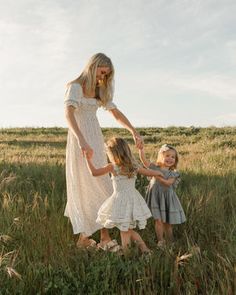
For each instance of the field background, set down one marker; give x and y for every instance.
(37, 248)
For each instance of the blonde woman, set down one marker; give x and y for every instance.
(85, 194)
(125, 208)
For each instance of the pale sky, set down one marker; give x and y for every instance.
(175, 60)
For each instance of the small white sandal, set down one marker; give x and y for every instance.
(111, 246)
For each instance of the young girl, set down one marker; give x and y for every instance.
(125, 208)
(161, 197)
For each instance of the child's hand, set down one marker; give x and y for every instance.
(159, 174)
(86, 149)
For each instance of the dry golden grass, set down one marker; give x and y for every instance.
(37, 247)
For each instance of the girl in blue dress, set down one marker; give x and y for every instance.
(161, 196)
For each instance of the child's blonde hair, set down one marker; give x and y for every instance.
(164, 148)
(87, 79)
(120, 154)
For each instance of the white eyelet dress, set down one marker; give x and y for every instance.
(85, 193)
(126, 208)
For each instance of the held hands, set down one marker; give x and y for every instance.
(159, 175)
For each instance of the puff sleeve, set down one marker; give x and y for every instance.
(109, 106)
(73, 95)
(176, 175)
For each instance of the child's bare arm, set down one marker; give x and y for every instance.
(143, 158)
(167, 182)
(150, 172)
(98, 171)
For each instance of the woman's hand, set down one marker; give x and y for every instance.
(121, 118)
(138, 140)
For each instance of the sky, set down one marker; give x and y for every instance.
(175, 60)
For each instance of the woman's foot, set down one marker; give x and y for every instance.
(85, 242)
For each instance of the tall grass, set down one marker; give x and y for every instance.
(37, 248)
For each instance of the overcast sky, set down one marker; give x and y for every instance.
(175, 60)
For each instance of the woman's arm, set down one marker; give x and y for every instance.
(98, 171)
(73, 126)
(121, 118)
(143, 158)
(150, 172)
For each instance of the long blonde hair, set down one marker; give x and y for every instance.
(87, 79)
(163, 149)
(119, 153)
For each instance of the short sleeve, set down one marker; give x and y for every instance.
(176, 175)
(109, 106)
(73, 95)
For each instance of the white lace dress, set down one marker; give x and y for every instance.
(85, 193)
(126, 208)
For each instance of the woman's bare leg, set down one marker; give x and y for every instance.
(85, 241)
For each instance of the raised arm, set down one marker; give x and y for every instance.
(143, 158)
(121, 118)
(98, 171)
(73, 126)
(150, 172)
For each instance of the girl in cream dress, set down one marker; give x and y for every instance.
(125, 209)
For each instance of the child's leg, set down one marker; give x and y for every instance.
(159, 228)
(168, 231)
(125, 239)
(141, 244)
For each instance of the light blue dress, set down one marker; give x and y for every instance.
(162, 200)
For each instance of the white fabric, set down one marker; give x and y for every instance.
(85, 193)
(126, 208)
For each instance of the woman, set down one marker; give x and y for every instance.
(85, 193)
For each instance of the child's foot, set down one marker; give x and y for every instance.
(143, 247)
(161, 244)
(147, 252)
(110, 246)
(147, 255)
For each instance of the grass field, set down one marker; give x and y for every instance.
(37, 248)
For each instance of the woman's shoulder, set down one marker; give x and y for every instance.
(74, 94)
(74, 86)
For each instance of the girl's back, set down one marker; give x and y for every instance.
(122, 182)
